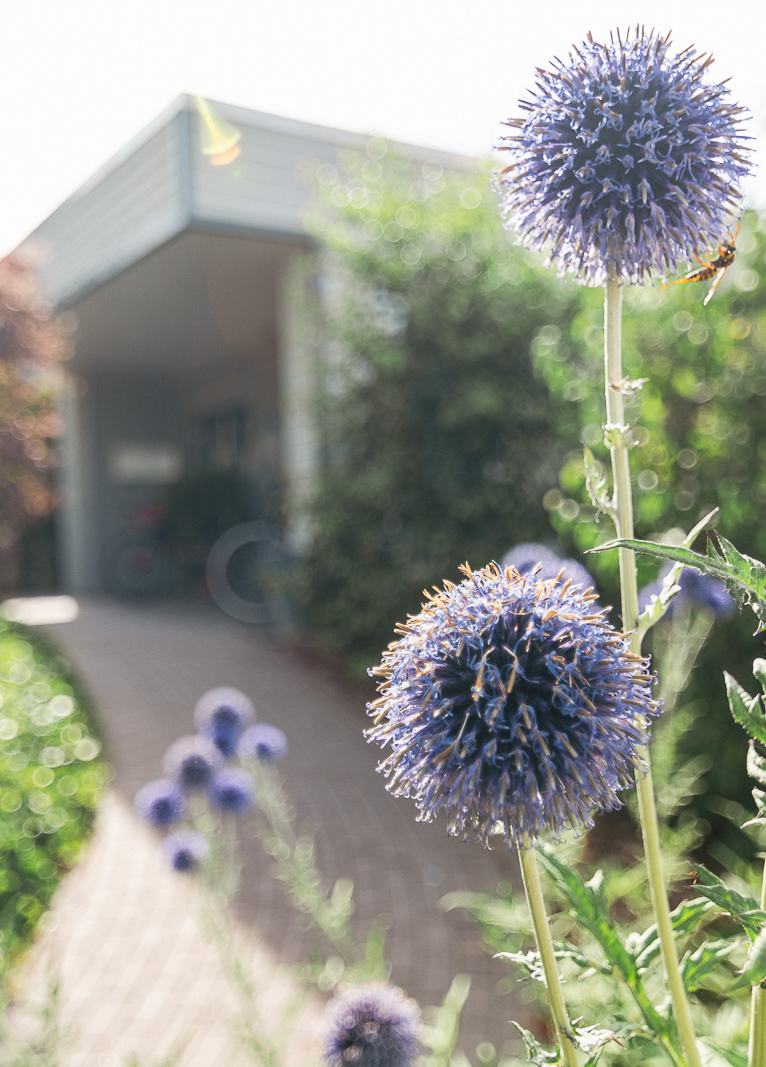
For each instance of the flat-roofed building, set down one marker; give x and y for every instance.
(187, 267)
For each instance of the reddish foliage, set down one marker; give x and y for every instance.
(31, 350)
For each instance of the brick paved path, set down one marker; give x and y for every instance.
(137, 974)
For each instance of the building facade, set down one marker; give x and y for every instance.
(187, 271)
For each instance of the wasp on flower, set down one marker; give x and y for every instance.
(714, 268)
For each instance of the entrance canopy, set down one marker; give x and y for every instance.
(186, 267)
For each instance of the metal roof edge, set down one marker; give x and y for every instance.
(185, 102)
(179, 104)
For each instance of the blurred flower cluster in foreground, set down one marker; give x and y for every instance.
(208, 771)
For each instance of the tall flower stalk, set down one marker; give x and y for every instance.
(622, 512)
(624, 164)
(536, 903)
(756, 1049)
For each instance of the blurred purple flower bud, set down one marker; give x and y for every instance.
(525, 557)
(698, 590)
(190, 761)
(264, 742)
(231, 790)
(371, 1025)
(161, 803)
(221, 715)
(185, 850)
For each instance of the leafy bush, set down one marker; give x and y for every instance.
(50, 777)
(439, 443)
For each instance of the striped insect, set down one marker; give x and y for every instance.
(714, 268)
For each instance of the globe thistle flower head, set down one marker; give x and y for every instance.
(185, 850)
(371, 1025)
(511, 706)
(696, 589)
(626, 161)
(221, 715)
(190, 761)
(527, 556)
(161, 803)
(263, 742)
(231, 790)
(707, 592)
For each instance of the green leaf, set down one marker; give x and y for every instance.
(589, 907)
(745, 578)
(726, 1055)
(591, 1040)
(532, 964)
(441, 1034)
(755, 968)
(597, 484)
(744, 909)
(684, 919)
(676, 553)
(756, 764)
(538, 1053)
(759, 671)
(588, 904)
(747, 710)
(751, 573)
(697, 965)
(759, 796)
(529, 961)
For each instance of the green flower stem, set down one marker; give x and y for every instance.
(617, 435)
(756, 1049)
(536, 901)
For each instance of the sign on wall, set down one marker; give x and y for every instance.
(139, 463)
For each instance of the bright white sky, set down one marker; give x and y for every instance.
(79, 78)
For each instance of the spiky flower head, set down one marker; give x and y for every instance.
(221, 715)
(263, 742)
(626, 161)
(185, 850)
(512, 706)
(161, 803)
(190, 761)
(231, 790)
(371, 1025)
(528, 556)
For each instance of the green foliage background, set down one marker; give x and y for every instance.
(459, 381)
(439, 439)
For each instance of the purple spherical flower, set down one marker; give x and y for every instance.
(626, 160)
(697, 590)
(231, 790)
(161, 803)
(185, 850)
(371, 1025)
(263, 742)
(525, 557)
(190, 761)
(512, 706)
(221, 715)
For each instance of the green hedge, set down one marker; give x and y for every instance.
(50, 777)
(440, 438)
